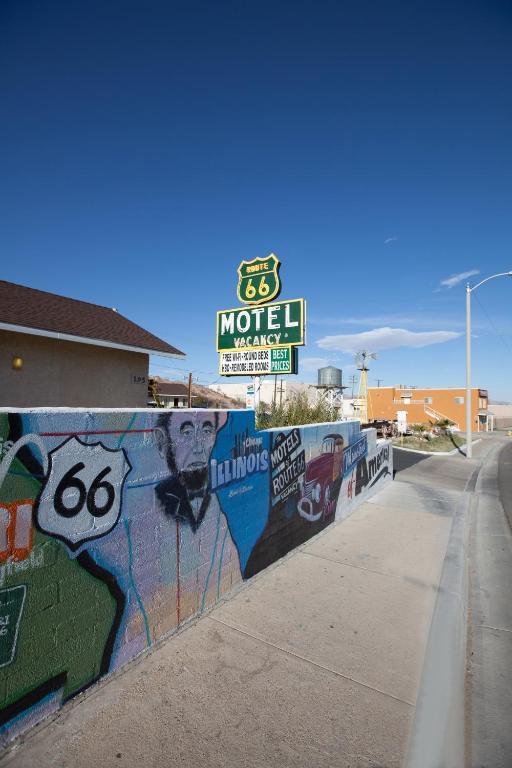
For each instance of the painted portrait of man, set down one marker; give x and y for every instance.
(185, 441)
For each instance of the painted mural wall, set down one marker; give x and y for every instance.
(116, 527)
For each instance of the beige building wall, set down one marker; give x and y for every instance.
(502, 415)
(65, 373)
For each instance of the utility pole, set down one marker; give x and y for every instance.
(379, 382)
(281, 393)
(190, 390)
(352, 381)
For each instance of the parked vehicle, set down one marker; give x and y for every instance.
(384, 427)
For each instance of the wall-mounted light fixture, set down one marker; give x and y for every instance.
(17, 363)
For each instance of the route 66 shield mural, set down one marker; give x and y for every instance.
(81, 499)
(258, 280)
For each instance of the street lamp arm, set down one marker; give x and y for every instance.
(469, 291)
(500, 274)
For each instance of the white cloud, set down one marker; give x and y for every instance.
(424, 319)
(364, 320)
(391, 239)
(384, 338)
(451, 282)
(312, 363)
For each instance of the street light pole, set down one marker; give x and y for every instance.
(469, 425)
(469, 443)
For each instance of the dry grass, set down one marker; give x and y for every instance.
(433, 445)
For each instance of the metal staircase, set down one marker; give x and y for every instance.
(437, 415)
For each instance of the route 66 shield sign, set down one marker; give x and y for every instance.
(81, 499)
(258, 280)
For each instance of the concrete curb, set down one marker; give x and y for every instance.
(438, 731)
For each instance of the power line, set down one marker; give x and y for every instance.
(352, 382)
(183, 370)
(492, 323)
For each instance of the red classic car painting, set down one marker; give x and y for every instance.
(322, 480)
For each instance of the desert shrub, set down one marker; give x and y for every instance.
(420, 431)
(296, 410)
(442, 426)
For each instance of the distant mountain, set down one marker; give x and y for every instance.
(215, 399)
(202, 396)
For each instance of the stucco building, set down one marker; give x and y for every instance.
(502, 415)
(429, 405)
(57, 351)
(170, 394)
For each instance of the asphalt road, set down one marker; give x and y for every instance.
(453, 472)
(404, 459)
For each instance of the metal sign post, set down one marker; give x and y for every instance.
(257, 392)
(249, 395)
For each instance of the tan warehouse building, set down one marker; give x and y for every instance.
(429, 405)
(56, 351)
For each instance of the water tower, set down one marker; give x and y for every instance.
(330, 377)
(330, 385)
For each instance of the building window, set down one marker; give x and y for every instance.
(459, 400)
(428, 401)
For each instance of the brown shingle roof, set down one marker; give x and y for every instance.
(60, 316)
(172, 388)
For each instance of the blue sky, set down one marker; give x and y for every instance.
(148, 147)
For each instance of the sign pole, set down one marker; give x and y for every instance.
(257, 386)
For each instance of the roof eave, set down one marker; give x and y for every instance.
(86, 340)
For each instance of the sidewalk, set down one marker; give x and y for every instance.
(315, 662)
